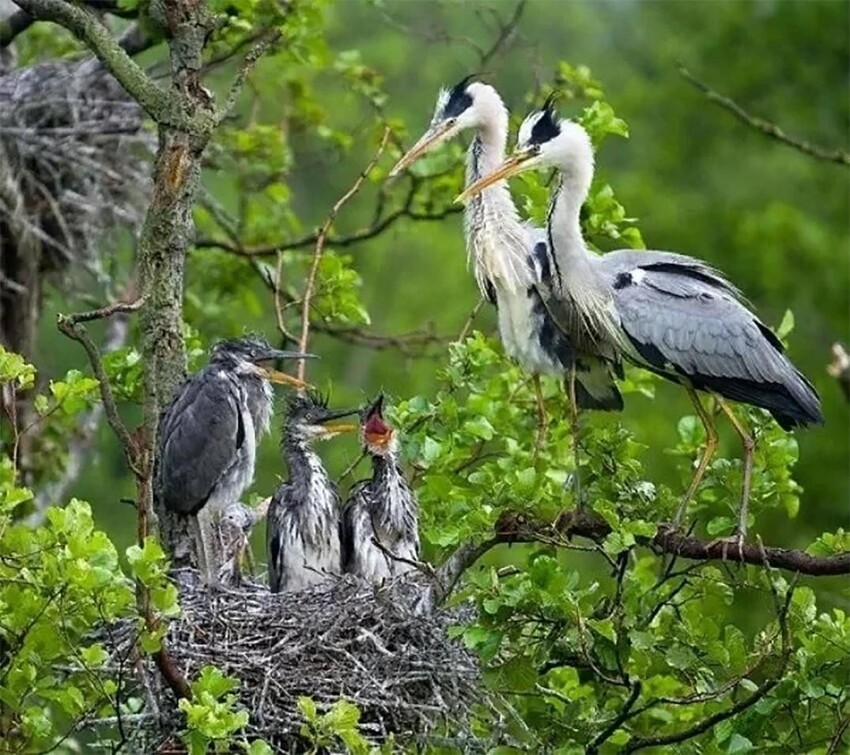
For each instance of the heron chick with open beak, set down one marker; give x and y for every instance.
(380, 522)
(303, 545)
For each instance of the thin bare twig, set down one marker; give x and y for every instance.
(765, 127)
(71, 326)
(320, 245)
(507, 32)
(257, 52)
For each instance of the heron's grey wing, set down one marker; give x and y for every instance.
(683, 325)
(410, 515)
(355, 515)
(201, 433)
(619, 265)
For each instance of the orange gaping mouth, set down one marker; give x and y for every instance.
(377, 438)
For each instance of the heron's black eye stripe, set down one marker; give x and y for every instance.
(459, 100)
(545, 129)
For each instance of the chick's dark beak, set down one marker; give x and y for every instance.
(335, 428)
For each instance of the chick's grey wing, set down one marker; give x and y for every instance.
(277, 531)
(201, 433)
(355, 517)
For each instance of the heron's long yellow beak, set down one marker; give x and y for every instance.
(275, 376)
(430, 139)
(516, 163)
(337, 428)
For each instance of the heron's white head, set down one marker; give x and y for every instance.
(467, 105)
(376, 435)
(544, 141)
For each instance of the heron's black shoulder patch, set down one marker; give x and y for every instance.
(622, 280)
(546, 128)
(459, 99)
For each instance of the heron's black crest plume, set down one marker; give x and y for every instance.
(299, 405)
(547, 127)
(459, 99)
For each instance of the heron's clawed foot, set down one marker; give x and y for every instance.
(733, 544)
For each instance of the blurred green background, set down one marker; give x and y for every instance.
(699, 182)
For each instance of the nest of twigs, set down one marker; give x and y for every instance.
(74, 160)
(371, 646)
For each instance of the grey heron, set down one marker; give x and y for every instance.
(669, 313)
(303, 519)
(382, 509)
(208, 434)
(509, 257)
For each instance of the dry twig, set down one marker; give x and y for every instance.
(765, 127)
(320, 245)
(344, 639)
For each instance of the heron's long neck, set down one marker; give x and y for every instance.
(393, 501)
(496, 239)
(575, 276)
(303, 462)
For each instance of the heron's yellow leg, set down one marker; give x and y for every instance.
(542, 420)
(570, 385)
(710, 449)
(749, 449)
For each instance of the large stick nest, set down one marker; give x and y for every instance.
(370, 646)
(74, 159)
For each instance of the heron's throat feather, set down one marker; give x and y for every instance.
(592, 314)
(497, 242)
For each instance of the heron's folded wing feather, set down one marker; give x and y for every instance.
(202, 432)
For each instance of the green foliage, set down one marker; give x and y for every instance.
(212, 717)
(58, 583)
(571, 646)
(338, 725)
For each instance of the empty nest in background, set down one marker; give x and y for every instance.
(74, 160)
(343, 640)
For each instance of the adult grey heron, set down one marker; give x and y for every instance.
(208, 434)
(382, 509)
(303, 520)
(509, 258)
(669, 313)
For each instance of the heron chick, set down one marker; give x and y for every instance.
(380, 521)
(302, 541)
(668, 313)
(208, 436)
